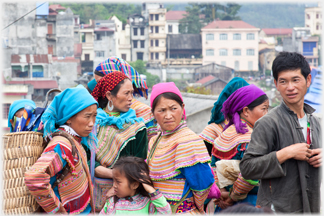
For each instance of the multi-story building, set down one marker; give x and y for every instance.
(86, 33)
(173, 20)
(139, 37)
(313, 19)
(155, 13)
(123, 42)
(231, 43)
(104, 44)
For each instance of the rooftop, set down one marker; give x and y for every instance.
(185, 41)
(206, 79)
(225, 24)
(56, 7)
(277, 31)
(43, 58)
(178, 15)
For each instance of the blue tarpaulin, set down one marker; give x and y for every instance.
(314, 93)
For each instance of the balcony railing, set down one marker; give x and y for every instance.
(51, 37)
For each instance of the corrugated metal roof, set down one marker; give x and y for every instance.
(206, 79)
(185, 41)
(30, 58)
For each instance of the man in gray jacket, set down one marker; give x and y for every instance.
(285, 147)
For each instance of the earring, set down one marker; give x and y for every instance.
(110, 108)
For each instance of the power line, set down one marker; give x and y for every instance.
(22, 16)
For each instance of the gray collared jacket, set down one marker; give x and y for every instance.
(293, 186)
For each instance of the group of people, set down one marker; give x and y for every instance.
(109, 153)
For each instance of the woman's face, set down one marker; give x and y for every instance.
(82, 123)
(123, 99)
(168, 113)
(253, 115)
(18, 114)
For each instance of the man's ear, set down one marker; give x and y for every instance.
(308, 80)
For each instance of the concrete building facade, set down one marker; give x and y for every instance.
(314, 19)
(123, 42)
(139, 37)
(231, 43)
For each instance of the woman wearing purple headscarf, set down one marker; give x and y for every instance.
(242, 109)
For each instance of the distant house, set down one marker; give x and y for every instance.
(214, 84)
(231, 43)
(216, 70)
(184, 46)
(173, 20)
(275, 32)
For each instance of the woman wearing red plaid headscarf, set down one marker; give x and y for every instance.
(120, 132)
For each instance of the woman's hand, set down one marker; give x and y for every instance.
(61, 210)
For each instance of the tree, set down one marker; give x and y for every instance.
(191, 23)
(151, 79)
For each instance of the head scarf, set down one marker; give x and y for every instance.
(17, 105)
(161, 88)
(235, 83)
(113, 64)
(237, 101)
(65, 105)
(107, 83)
(92, 84)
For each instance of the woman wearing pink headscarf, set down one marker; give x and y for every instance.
(177, 157)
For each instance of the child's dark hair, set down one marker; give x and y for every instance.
(290, 61)
(135, 169)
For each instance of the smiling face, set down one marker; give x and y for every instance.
(292, 86)
(123, 99)
(121, 185)
(168, 113)
(82, 123)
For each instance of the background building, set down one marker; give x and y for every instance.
(314, 19)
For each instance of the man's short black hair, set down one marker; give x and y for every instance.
(290, 61)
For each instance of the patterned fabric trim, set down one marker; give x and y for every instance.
(113, 140)
(225, 145)
(211, 132)
(176, 149)
(171, 189)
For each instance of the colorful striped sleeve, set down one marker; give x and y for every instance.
(159, 204)
(241, 188)
(38, 177)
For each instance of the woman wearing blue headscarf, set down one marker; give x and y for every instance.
(60, 179)
(16, 111)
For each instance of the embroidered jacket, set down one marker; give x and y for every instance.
(138, 205)
(178, 163)
(74, 191)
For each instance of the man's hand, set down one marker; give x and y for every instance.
(298, 151)
(316, 157)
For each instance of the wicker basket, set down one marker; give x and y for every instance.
(21, 151)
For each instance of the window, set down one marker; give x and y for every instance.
(156, 17)
(317, 27)
(135, 43)
(151, 29)
(209, 36)
(236, 52)
(236, 65)
(250, 52)
(308, 16)
(98, 37)
(87, 57)
(223, 63)
(5, 110)
(142, 31)
(317, 16)
(170, 28)
(152, 43)
(135, 31)
(124, 56)
(38, 71)
(156, 29)
(223, 52)
(142, 43)
(250, 65)
(237, 36)
(157, 56)
(100, 53)
(156, 43)
(223, 37)
(152, 56)
(210, 52)
(140, 55)
(18, 72)
(151, 17)
(83, 40)
(250, 36)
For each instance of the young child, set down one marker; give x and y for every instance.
(133, 190)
